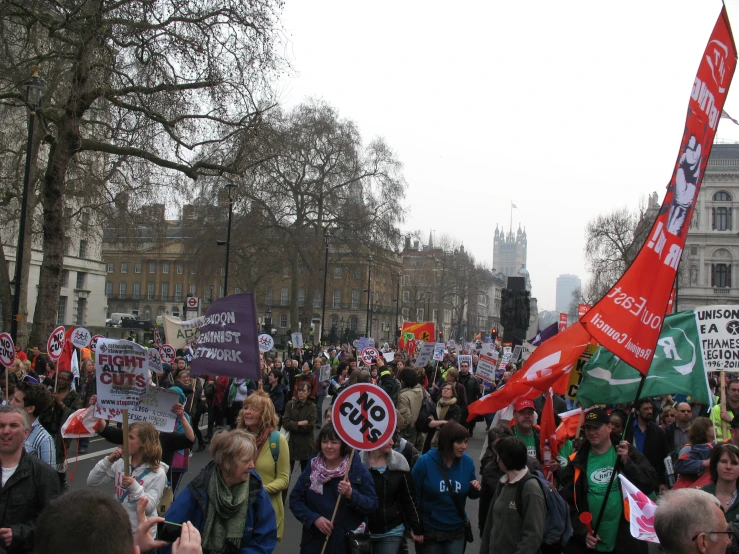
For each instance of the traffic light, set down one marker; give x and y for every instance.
(397, 333)
(441, 336)
(494, 333)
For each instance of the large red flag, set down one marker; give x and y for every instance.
(65, 361)
(627, 320)
(501, 399)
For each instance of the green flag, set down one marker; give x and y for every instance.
(677, 368)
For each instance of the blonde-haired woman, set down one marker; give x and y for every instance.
(226, 502)
(148, 474)
(258, 416)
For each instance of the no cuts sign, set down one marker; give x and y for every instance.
(55, 344)
(370, 354)
(364, 416)
(7, 350)
(167, 353)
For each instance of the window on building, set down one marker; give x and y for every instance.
(137, 290)
(193, 269)
(284, 296)
(180, 269)
(124, 267)
(122, 286)
(147, 313)
(447, 316)
(317, 300)
(80, 280)
(150, 291)
(165, 268)
(109, 289)
(283, 321)
(237, 290)
(406, 296)
(81, 311)
(421, 280)
(178, 292)
(61, 309)
(137, 268)
(406, 280)
(357, 273)
(193, 289)
(337, 273)
(406, 313)
(135, 313)
(353, 323)
(722, 196)
(722, 219)
(152, 267)
(356, 297)
(286, 272)
(301, 298)
(721, 275)
(165, 291)
(419, 315)
(65, 278)
(111, 268)
(693, 250)
(83, 248)
(337, 298)
(268, 298)
(435, 315)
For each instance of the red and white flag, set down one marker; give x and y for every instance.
(641, 512)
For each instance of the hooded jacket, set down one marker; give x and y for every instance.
(396, 495)
(409, 406)
(307, 506)
(260, 527)
(574, 489)
(436, 505)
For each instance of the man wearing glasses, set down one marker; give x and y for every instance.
(691, 521)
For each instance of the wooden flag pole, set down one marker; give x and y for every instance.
(126, 459)
(724, 432)
(336, 507)
(56, 379)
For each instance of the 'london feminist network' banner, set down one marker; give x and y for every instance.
(627, 320)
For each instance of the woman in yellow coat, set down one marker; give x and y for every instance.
(258, 416)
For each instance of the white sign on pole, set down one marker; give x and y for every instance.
(439, 351)
(364, 416)
(464, 358)
(155, 407)
(155, 360)
(94, 342)
(325, 373)
(55, 344)
(266, 342)
(192, 303)
(81, 337)
(486, 368)
(516, 355)
(122, 370)
(451, 345)
(297, 340)
(167, 353)
(718, 328)
(389, 356)
(7, 350)
(425, 353)
(369, 354)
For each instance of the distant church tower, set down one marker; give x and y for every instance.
(509, 251)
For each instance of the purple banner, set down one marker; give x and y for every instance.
(228, 339)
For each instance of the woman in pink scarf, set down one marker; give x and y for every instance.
(322, 483)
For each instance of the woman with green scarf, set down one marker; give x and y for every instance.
(226, 502)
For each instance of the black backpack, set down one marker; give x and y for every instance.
(428, 409)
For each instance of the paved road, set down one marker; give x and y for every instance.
(290, 544)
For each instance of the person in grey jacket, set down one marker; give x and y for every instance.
(507, 530)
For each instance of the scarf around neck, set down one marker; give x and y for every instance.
(320, 474)
(225, 515)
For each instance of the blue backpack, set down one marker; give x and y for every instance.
(559, 526)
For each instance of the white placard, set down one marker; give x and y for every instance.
(425, 353)
(486, 368)
(297, 340)
(167, 353)
(325, 373)
(122, 371)
(439, 351)
(155, 407)
(451, 345)
(55, 344)
(389, 356)
(464, 358)
(516, 355)
(718, 328)
(266, 343)
(7, 350)
(81, 337)
(155, 360)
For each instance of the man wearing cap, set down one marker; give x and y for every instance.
(584, 482)
(523, 415)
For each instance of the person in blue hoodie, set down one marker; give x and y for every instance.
(443, 523)
(322, 483)
(226, 502)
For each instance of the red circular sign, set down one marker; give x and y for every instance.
(167, 353)
(364, 416)
(7, 350)
(55, 344)
(370, 353)
(192, 302)
(94, 342)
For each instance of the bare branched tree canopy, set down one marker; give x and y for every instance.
(137, 92)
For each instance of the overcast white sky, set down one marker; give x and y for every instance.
(567, 109)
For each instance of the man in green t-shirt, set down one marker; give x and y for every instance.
(584, 482)
(523, 415)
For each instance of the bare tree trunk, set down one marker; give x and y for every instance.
(5, 297)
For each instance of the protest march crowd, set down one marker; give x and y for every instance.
(545, 463)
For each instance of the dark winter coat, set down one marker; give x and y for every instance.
(574, 489)
(260, 527)
(396, 495)
(277, 395)
(25, 494)
(301, 442)
(655, 448)
(307, 506)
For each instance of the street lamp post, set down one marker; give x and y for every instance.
(397, 305)
(34, 94)
(369, 294)
(230, 186)
(428, 305)
(327, 237)
(342, 329)
(210, 298)
(268, 320)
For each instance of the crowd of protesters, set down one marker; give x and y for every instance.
(410, 492)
